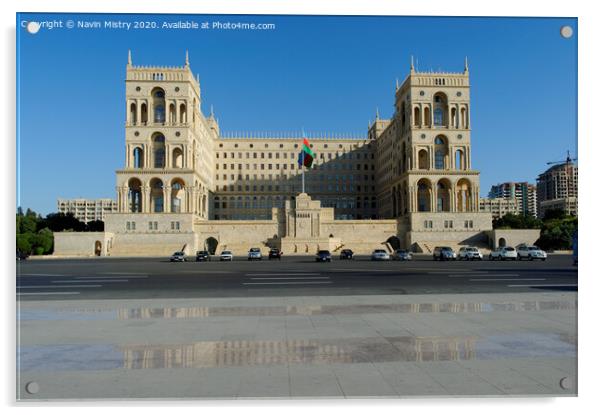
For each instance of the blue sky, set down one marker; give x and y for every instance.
(320, 73)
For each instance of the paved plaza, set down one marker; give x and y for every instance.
(313, 343)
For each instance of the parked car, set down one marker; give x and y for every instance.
(531, 252)
(226, 256)
(380, 255)
(21, 256)
(503, 253)
(178, 257)
(254, 254)
(323, 256)
(346, 254)
(444, 253)
(203, 256)
(402, 255)
(470, 253)
(274, 253)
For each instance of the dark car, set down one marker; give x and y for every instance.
(346, 254)
(274, 253)
(402, 255)
(323, 256)
(21, 256)
(203, 256)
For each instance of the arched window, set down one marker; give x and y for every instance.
(156, 195)
(138, 158)
(183, 113)
(463, 117)
(135, 195)
(144, 113)
(177, 158)
(172, 114)
(133, 113)
(443, 196)
(423, 160)
(159, 105)
(460, 165)
(463, 196)
(439, 159)
(440, 109)
(159, 151)
(177, 195)
(440, 152)
(417, 117)
(438, 116)
(427, 116)
(424, 195)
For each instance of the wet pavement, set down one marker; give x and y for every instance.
(517, 344)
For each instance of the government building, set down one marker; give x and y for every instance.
(407, 183)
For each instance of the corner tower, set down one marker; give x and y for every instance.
(168, 143)
(426, 176)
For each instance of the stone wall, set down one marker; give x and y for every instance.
(361, 236)
(512, 237)
(238, 235)
(82, 243)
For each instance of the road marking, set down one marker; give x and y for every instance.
(481, 275)
(204, 272)
(115, 277)
(79, 281)
(507, 279)
(459, 270)
(284, 283)
(122, 273)
(542, 285)
(274, 274)
(366, 270)
(290, 278)
(59, 286)
(51, 293)
(42, 275)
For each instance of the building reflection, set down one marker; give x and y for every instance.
(252, 352)
(309, 310)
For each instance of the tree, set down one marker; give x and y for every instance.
(58, 222)
(43, 241)
(558, 233)
(95, 226)
(24, 243)
(554, 214)
(512, 221)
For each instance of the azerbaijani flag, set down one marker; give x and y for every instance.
(306, 156)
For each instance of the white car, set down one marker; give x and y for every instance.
(503, 253)
(469, 253)
(530, 252)
(380, 255)
(254, 253)
(226, 256)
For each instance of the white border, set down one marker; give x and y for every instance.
(590, 96)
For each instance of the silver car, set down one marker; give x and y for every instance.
(254, 254)
(503, 253)
(530, 252)
(469, 253)
(226, 256)
(380, 255)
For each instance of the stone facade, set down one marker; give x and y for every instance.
(408, 183)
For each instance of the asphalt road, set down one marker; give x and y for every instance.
(139, 278)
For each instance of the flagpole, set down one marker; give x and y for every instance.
(302, 179)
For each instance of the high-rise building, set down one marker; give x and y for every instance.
(524, 193)
(87, 210)
(557, 188)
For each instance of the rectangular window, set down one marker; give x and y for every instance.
(127, 226)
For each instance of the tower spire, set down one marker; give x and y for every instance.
(377, 114)
(396, 84)
(187, 62)
(412, 70)
(129, 57)
(466, 64)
